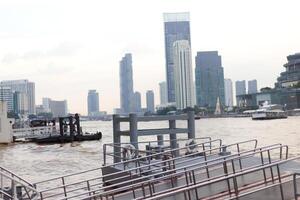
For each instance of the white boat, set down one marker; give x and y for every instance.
(267, 111)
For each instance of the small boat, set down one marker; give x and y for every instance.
(267, 111)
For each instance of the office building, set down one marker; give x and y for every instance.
(58, 108)
(163, 93)
(252, 86)
(20, 103)
(150, 101)
(176, 27)
(137, 102)
(25, 87)
(183, 75)
(228, 92)
(209, 75)
(240, 87)
(6, 95)
(126, 84)
(46, 104)
(93, 102)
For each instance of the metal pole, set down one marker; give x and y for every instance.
(133, 130)
(116, 138)
(191, 124)
(173, 137)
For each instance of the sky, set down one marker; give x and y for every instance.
(68, 47)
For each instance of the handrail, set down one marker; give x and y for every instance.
(296, 194)
(134, 169)
(203, 167)
(169, 192)
(10, 172)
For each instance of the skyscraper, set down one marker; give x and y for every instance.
(240, 87)
(137, 102)
(228, 92)
(93, 102)
(126, 84)
(209, 76)
(150, 101)
(183, 74)
(163, 93)
(176, 27)
(46, 104)
(252, 86)
(25, 87)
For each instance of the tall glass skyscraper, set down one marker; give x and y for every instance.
(126, 84)
(177, 27)
(93, 102)
(209, 79)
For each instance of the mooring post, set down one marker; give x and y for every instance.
(191, 124)
(133, 130)
(173, 137)
(116, 138)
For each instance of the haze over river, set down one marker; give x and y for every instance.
(39, 162)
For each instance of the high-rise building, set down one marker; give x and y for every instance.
(176, 27)
(7, 96)
(58, 108)
(25, 87)
(252, 86)
(240, 87)
(93, 102)
(150, 101)
(137, 102)
(228, 92)
(46, 104)
(126, 84)
(209, 75)
(20, 102)
(163, 93)
(183, 75)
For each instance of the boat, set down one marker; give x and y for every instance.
(269, 111)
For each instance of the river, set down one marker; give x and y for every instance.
(39, 162)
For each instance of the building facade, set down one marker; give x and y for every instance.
(93, 102)
(126, 84)
(209, 75)
(183, 75)
(240, 87)
(6, 95)
(163, 93)
(137, 102)
(58, 108)
(252, 86)
(176, 27)
(150, 101)
(25, 87)
(228, 92)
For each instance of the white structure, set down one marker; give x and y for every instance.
(5, 125)
(25, 87)
(183, 75)
(7, 96)
(252, 86)
(228, 92)
(163, 93)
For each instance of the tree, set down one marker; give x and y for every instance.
(165, 110)
(45, 115)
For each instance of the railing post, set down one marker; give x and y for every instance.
(191, 124)
(116, 138)
(133, 130)
(173, 137)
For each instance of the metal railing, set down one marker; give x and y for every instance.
(236, 192)
(87, 184)
(13, 187)
(34, 132)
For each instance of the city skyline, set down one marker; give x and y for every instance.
(57, 56)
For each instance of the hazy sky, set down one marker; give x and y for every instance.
(69, 47)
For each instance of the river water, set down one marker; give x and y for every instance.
(39, 162)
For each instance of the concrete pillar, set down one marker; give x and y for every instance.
(173, 137)
(116, 138)
(133, 132)
(191, 124)
(160, 140)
